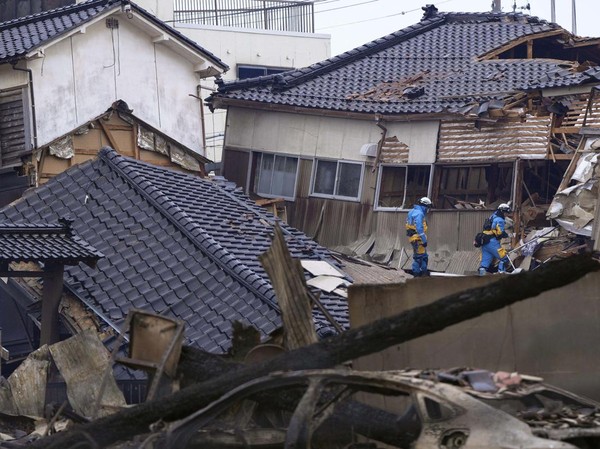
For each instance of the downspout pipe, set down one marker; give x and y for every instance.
(33, 116)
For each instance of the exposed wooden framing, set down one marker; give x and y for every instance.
(494, 53)
(136, 148)
(530, 49)
(519, 231)
(111, 140)
(51, 295)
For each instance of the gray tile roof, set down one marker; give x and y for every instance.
(174, 244)
(436, 60)
(44, 242)
(20, 36)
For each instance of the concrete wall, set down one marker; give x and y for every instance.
(553, 335)
(81, 76)
(326, 137)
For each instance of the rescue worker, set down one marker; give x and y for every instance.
(492, 249)
(416, 230)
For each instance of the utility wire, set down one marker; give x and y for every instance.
(401, 13)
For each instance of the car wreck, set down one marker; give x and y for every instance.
(341, 408)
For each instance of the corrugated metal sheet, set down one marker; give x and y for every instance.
(12, 129)
(462, 142)
(464, 262)
(393, 151)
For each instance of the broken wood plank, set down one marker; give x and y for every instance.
(332, 351)
(287, 278)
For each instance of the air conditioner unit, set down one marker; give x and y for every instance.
(369, 149)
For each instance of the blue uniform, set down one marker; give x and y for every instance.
(416, 229)
(493, 249)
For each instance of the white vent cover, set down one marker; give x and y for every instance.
(369, 149)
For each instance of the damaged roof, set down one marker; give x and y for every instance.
(20, 36)
(434, 66)
(174, 244)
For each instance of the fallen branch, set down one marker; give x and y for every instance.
(349, 345)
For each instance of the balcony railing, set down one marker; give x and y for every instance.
(277, 15)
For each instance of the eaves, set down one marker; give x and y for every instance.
(158, 35)
(224, 103)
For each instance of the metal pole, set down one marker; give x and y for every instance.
(553, 11)
(574, 18)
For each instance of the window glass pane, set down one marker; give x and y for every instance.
(349, 180)
(391, 190)
(250, 72)
(276, 175)
(265, 172)
(289, 180)
(325, 177)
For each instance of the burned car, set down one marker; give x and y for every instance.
(348, 409)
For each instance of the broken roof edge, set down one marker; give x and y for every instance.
(195, 233)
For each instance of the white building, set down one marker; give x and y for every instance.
(61, 68)
(259, 38)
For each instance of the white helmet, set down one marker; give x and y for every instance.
(425, 202)
(504, 207)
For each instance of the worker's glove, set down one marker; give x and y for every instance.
(424, 244)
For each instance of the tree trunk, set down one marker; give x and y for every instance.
(349, 345)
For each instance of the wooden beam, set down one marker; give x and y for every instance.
(111, 140)
(530, 49)
(517, 42)
(51, 296)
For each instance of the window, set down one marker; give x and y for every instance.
(246, 71)
(401, 187)
(488, 184)
(276, 175)
(337, 179)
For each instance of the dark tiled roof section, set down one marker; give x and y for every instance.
(439, 54)
(149, 263)
(174, 244)
(20, 36)
(228, 225)
(27, 242)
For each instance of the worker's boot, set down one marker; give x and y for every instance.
(481, 271)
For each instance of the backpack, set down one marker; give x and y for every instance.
(481, 238)
(487, 224)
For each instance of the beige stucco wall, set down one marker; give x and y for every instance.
(326, 137)
(553, 335)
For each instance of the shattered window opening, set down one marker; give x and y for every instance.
(401, 186)
(337, 179)
(276, 175)
(475, 186)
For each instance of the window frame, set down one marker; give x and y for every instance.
(483, 164)
(313, 178)
(406, 207)
(267, 70)
(257, 156)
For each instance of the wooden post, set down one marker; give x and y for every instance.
(53, 288)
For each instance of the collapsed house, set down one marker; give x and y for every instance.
(59, 67)
(173, 244)
(470, 109)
